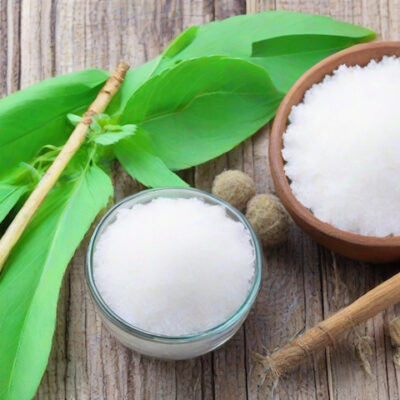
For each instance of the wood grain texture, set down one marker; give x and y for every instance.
(302, 283)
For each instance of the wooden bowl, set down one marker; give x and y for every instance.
(365, 248)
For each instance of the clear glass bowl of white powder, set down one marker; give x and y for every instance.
(171, 300)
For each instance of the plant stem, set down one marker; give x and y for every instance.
(327, 331)
(21, 220)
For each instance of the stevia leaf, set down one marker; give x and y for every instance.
(36, 116)
(17, 182)
(140, 160)
(74, 119)
(134, 78)
(30, 283)
(300, 45)
(116, 135)
(296, 53)
(181, 42)
(234, 37)
(9, 196)
(107, 139)
(202, 108)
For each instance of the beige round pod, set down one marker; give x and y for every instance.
(269, 219)
(235, 187)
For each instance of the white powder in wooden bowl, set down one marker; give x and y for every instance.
(342, 149)
(174, 266)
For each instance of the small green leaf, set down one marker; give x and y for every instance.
(31, 280)
(95, 127)
(140, 161)
(115, 135)
(181, 42)
(113, 128)
(74, 119)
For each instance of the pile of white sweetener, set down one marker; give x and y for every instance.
(342, 149)
(174, 266)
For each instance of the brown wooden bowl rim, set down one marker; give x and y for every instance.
(276, 161)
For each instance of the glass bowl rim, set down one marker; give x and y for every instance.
(138, 332)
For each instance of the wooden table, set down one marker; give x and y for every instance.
(303, 283)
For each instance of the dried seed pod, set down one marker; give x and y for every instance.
(269, 219)
(234, 186)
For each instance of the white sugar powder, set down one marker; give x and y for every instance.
(174, 266)
(342, 149)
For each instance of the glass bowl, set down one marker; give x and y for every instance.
(162, 346)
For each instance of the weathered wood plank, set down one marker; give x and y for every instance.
(4, 35)
(302, 283)
(37, 42)
(9, 51)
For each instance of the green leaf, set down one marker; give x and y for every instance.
(22, 174)
(74, 119)
(9, 196)
(134, 78)
(36, 116)
(115, 134)
(18, 181)
(112, 137)
(234, 37)
(295, 54)
(30, 283)
(140, 160)
(202, 108)
(300, 45)
(181, 42)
